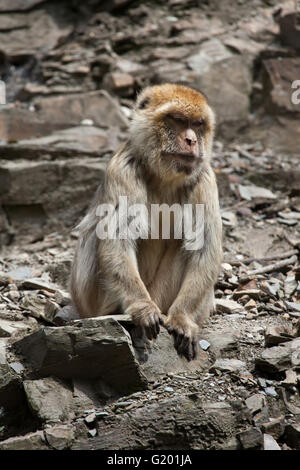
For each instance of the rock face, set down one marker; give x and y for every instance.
(97, 106)
(161, 358)
(71, 351)
(280, 358)
(70, 72)
(49, 399)
(278, 75)
(32, 441)
(25, 197)
(181, 423)
(11, 392)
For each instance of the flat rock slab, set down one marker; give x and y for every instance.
(60, 437)
(279, 358)
(104, 351)
(160, 357)
(31, 441)
(183, 422)
(50, 399)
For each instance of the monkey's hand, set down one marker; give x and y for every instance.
(184, 331)
(147, 316)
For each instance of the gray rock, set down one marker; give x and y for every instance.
(31, 32)
(222, 342)
(252, 293)
(3, 346)
(228, 365)
(271, 392)
(231, 444)
(161, 358)
(18, 5)
(91, 418)
(232, 74)
(82, 352)
(85, 396)
(274, 427)
(292, 435)
(62, 298)
(276, 73)
(31, 441)
(278, 358)
(17, 367)
(50, 399)
(85, 139)
(270, 443)
(204, 344)
(98, 106)
(194, 425)
(9, 328)
(252, 192)
(255, 403)
(60, 437)
(73, 182)
(275, 335)
(228, 306)
(293, 306)
(11, 393)
(211, 51)
(34, 304)
(251, 439)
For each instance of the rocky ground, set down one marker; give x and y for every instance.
(71, 75)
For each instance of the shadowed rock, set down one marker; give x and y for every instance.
(88, 352)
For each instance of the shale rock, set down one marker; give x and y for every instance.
(72, 351)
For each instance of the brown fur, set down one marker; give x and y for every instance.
(156, 281)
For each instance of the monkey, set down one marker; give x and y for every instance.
(157, 281)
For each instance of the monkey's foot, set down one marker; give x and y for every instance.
(147, 316)
(184, 331)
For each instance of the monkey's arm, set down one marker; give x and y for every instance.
(121, 275)
(117, 257)
(201, 272)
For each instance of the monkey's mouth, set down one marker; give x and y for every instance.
(188, 159)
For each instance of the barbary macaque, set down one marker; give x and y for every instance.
(158, 280)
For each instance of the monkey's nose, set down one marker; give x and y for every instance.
(190, 138)
(190, 142)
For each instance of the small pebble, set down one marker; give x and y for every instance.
(17, 366)
(169, 389)
(123, 404)
(271, 392)
(90, 418)
(204, 344)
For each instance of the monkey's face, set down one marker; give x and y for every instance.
(173, 127)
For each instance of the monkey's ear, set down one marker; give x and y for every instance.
(144, 103)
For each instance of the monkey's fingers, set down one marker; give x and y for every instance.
(138, 337)
(183, 346)
(152, 327)
(178, 338)
(194, 348)
(186, 346)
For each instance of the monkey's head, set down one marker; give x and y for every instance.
(172, 129)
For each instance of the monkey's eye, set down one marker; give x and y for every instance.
(198, 123)
(144, 103)
(176, 118)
